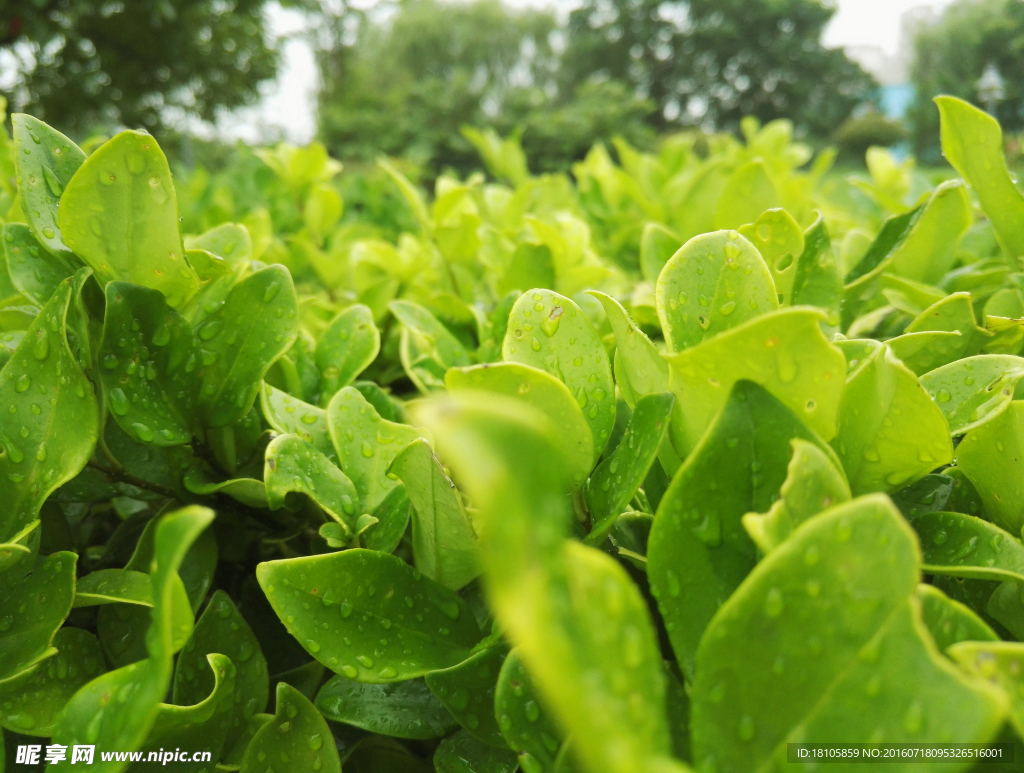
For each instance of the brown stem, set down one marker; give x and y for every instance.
(123, 476)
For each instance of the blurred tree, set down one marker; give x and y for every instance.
(858, 133)
(82, 63)
(406, 85)
(950, 57)
(712, 62)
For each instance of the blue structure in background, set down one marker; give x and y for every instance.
(896, 100)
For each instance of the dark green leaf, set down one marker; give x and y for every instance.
(402, 710)
(467, 691)
(297, 736)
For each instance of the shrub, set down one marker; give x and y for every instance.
(449, 499)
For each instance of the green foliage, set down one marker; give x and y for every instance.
(503, 499)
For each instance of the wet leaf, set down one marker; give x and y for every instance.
(34, 272)
(814, 483)
(297, 736)
(292, 416)
(44, 162)
(964, 546)
(444, 544)
(780, 242)
(44, 392)
(949, 621)
(992, 458)
(230, 241)
(550, 332)
(111, 586)
(525, 725)
(293, 465)
(380, 604)
(890, 431)
(870, 673)
(366, 444)
(972, 142)
(221, 629)
(785, 352)
(467, 691)
(645, 369)
(149, 360)
(93, 716)
(345, 349)
(974, 390)
(240, 341)
(699, 552)
(616, 480)
(401, 710)
(463, 753)
(716, 282)
(119, 214)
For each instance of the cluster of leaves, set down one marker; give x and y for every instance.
(565, 480)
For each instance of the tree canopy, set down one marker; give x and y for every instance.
(83, 63)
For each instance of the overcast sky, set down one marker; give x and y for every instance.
(289, 105)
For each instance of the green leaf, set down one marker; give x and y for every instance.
(346, 348)
(716, 282)
(617, 479)
(657, 244)
(44, 162)
(293, 465)
(34, 272)
(964, 546)
(890, 431)
(148, 366)
(93, 716)
(949, 621)
(297, 734)
(930, 249)
(444, 545)
(290, 415)
(199, 727)
(972, 142)
(241, 340)
(392, 519)
(221, 629)
(645, 369)
(544, 392)
(780, 242)
(201, 479)
(467, 691)
(749, 192)
(992, 458)
(909, 297)
(463, 753)
(974, 390)
(818, 279)
(526, 727)
(784, 352)
(942, 333)
(576, 617)
(369, 598)
(698, 551)
(835, 605)
(119, 214)
(216, 278)
(814, 483)
(111, 586)
(998, 662)
(431, 336)
(550, 332)
(230, 241)
(401, 710)
(122, 628)
(232, 757)
(367, 444)
(27, 629)
(33, 700)
(45, 392)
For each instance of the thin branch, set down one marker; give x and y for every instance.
(123, 476)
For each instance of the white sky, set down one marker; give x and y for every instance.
(288, 108)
